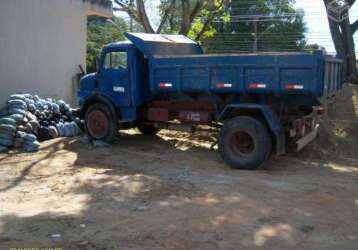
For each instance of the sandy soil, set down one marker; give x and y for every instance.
(171, 192)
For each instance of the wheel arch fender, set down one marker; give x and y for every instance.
(269, 117)
(99, 98)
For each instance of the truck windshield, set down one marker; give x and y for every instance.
(115, 60)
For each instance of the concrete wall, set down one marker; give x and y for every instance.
(42, 42)
(99, 8)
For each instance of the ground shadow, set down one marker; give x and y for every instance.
(172, 192)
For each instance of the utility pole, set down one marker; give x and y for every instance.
(131, 24)
(255, 47)
(257, 36)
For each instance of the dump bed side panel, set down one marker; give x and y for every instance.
(277, 74)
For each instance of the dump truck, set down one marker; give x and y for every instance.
(261, 104)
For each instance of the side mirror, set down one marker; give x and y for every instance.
(97, 64)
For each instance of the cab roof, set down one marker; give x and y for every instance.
(118, 44)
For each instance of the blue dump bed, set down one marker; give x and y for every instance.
(255, 73)
(177, 64)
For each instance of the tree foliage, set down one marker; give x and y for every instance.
(176, 15)
(218, 24)
(200, 24)
(261, 25)
(99, 33)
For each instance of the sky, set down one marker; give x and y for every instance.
(317, 24)
(315, 18)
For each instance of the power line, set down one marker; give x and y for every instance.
(276, 13)
(267, 18)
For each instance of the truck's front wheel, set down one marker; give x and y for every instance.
(100, 123)
(244, 143)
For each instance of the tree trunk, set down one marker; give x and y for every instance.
(144, 17)
(185, 26)
(350, 48)
(342, 36)
(166, 15)
(138, 13)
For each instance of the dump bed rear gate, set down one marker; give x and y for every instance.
(333, 78)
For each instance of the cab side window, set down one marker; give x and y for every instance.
(115, 60)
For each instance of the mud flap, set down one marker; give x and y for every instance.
(303, 142)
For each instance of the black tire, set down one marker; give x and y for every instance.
(100, 123)
(244, 143)
(147, 129)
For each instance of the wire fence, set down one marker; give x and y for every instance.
(253, 40)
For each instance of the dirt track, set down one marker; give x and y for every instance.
(171, 192)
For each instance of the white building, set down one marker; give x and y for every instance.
(42, 42)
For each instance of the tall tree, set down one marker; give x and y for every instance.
(261, 25)
(342, 31)
(199, 25)
(174, 13)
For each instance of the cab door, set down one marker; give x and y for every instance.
(114, 78)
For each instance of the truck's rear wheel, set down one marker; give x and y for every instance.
(147, 129)
(100, 123)
(244, 143)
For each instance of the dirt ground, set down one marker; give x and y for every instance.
(171, 192)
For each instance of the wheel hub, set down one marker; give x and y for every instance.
(242, 143)
(97, 124)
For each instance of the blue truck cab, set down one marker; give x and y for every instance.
(120, 80)
(259, 103)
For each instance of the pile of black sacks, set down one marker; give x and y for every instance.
(26, 120)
